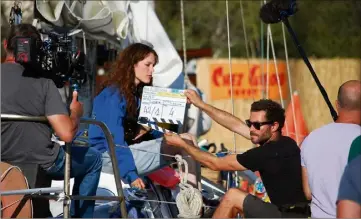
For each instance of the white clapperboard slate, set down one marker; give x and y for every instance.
(162, 105)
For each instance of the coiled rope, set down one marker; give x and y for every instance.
(189, 200)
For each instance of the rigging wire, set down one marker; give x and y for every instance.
(262, 57)
(267, 59)
(290, 83)
(246, 45)
(230, 70)
(186, 79)
(277, 73)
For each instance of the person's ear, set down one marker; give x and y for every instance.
(338, 106)
(275, 127)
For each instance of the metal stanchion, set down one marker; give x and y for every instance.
(108, 136)
(111, 145)
(66, 203)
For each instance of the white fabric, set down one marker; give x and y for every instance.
(198, 122)
(324, 153)
(109, 17)
(191, 68)
(51, 11)
(120, 17)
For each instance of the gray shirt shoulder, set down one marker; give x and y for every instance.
(31, 96)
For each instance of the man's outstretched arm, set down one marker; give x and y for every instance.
(228, 162)
(223, 118)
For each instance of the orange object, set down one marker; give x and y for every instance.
(166, 177)
(301, 127)
(14, 206)
(244, 185)
(251, 190)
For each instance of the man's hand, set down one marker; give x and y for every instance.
(222, 117)
(138, 183)
(75, 106)
(67, 126)
(142, 131)
(193, 97)
(174, 140)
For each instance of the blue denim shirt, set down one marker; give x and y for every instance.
(110, 107)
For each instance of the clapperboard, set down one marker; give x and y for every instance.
(162, 105)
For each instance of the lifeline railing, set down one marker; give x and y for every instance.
(108, 136)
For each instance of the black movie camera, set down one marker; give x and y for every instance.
(56, 57)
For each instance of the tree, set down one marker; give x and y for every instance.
(324, 28)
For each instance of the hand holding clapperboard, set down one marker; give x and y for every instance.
(162, 105)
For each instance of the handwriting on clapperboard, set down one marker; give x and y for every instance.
(161, 105)
(158, 110)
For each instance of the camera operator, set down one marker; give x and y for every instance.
(30, 142)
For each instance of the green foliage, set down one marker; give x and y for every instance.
(325, 28)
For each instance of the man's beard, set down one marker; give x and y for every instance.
(261, 139)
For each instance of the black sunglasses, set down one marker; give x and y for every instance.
(257, 125)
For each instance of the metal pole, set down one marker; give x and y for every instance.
(77, 197)
(66, 203)
(114, 160)
(18, 118)
(32, 191)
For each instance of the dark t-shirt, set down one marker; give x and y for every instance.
(350, 185)
(355, 149)
(279, 164)
(28, 141)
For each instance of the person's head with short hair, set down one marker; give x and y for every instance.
(348, 102)
(349, 95)
(267, 119)
(20, 30)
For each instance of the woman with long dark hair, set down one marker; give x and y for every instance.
(117, 105)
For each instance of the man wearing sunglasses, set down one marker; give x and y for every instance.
(277, 159)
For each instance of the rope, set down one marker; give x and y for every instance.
(277, 75)
(290, 83)
(166, 202)
(262, 56)
(246, 44)
(26, 181)
(189, 200)
(17, 201)
(267, 63)
(230, 70)
(186, 79)
(151, 152)
(230, 75)
(270, 41)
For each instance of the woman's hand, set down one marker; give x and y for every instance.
(142, 131)
(138, 183)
